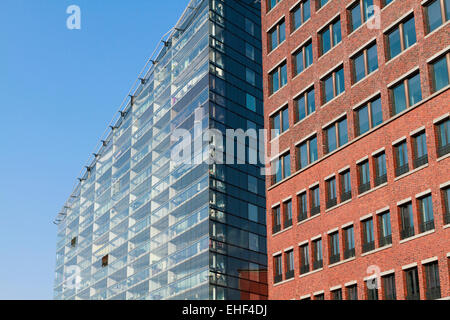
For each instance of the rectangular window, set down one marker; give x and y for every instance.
(412, 284)
(249, 51)
(278, 269)
(446, 204)
(302, 207)
(289, 264)
(336, 135)
(352, 292)
(334, 247)
(401, 37)
(440, 72)
(384, 226)
(272, 3)
(300, 14)
(364, 63)
(406, 221)
(321, 3)
(304, 104)
(333, 85)
(331, 192)
(389, 290)
(276, 222)
(425, 206)
(346, 186)
(372, 289)
(380, 169)
(360, 12)
(386, 2)
(420, 152)
(368, 241)
(304, 259)
(278, 78)
(302, 58)
(363, 177)
(406, 93)
(307, 152)
(433, 286)
(401, 159)
(277, 35)
(336, 294)
(349, 242)
(281, 168)
(287, 213)
(436, 14)
(317, 254)
(330, 36)
(315, 200)
(280, 121)
(368, 116)
(250, 76)
(250, 102)
(443, 137)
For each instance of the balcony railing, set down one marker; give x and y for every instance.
(368, 246)
(384, 241)
(443, 150)
(302, 216)
(277, 278)
(420, 161)
(433, 293)
(317, 264)
(447, 217)
(406, 232)
(390, 296)
(315, 210)
(335, 258)
(426, 226)
(380, 179)
(289, 274)
(287, 222)
(401, 170)
(413, 296)
(331, 203)
(349, 253)
(346, 196)
(276, 228)
(304, 268)
(364, 187)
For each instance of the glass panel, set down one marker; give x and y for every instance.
(301, 108)
(440, 74)
(340, 84)
(337, 36)
(359, 67)
(409, 32)
(394, 43)
(311, 102)
(331, 139)
(372, 57)
(399, 98)
(356, 17)
(415, 92)
(377, 114)
(434, 15)
(326, 41)
(329, 92)
(313, 150)
(363, 120)
(342, 128)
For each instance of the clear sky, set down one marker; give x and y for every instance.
(59, 89)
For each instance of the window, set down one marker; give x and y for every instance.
(368, 241)
(389, 291)
(252, 212)
(250, 102)
(368, 116)
(352, 292)
(336, 294)
(319, 296)
(401, 159)
(302, 207)
(433, 287)
(315, 200)
(252, 184)
(334, 247)
(105, 261)
(380, 169)
(317, 254)
(440, 72)
(336, 135)
(250, 76)
(406, 94)
(278, 78)
(249, 51)
(437, 13)
(302, 58)
(276, 215)
(372, 289)
(333, 85)
(287, 213)
(305, 104)
(281, 168)
(412, 284)
(420, 152)
(443, 137)
(360, 12)
(364, 63)
(272, 3)
(386, 2)
(321, 3)
(331, 192)
(300, 14)
(73, 242)
(426, 214)
(406, 221)
(401, 37)
(346, 186)
(278, 269)
(384, 225)
(349, 243)
(304, 259)
(330, 36)
(249, 27)
(307, 152)
(277, 35)
(363, 176)
(289, 264)
(280, 121)
(446, 204)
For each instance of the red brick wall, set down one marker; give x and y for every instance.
(423, 114)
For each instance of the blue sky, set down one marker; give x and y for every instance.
(59, 89)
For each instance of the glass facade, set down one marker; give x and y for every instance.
(141, 225)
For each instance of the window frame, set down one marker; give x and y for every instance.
(333, 75)
(330, 28)
(400, 27)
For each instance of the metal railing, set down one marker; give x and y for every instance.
(401, 170)
(443, 150)
(287, 223)
(368, 246)
(386, 240)
(304, 268)
(433, 293)
(335, 258)
(349, 253)
(289, 274)
(302, 216)
(380, 179)
(413, 296)
(447, 217)
(331, 203)
(406, 232)
(346, 196)
(364, 187)
(276, 228)
(426, 226)
(315, 210)
(420, 161)
(317, 264)
(277, 278)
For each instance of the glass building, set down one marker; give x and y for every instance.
(140, 225)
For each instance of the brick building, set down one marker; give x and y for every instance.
(360, 97)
